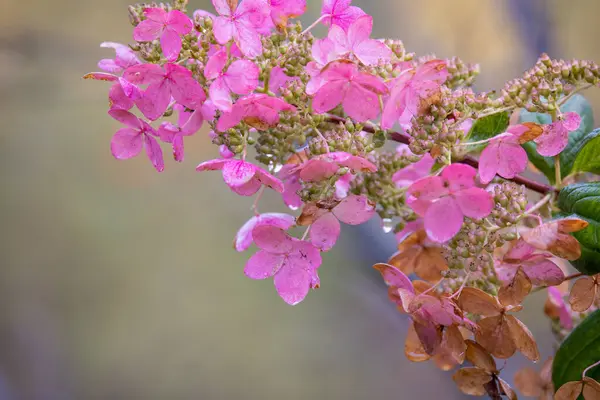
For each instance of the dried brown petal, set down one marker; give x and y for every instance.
(421, 286)
(546, 371)
(429, 335)
(508, 391)
(413, 348)
(534, 131)
(591, 389)
(454, 343)
(310, 213)
(298, 157)
(430, 264)
(523, 338)
(529, 382)
(514, 293)
(582, 294)
(470, 380)
(495, 336)
(404, 260)
(568, 225)
(480, 357)
(569, 391)
(476, 301)
(444, 360)
(565, 246)
(551, 237)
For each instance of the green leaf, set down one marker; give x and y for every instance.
(576, 104)
(588, 155)
(487, 127)
(583, 201)
(577, 352)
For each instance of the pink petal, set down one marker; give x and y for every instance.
(126, 118)
(230, 119)
(109, 65)
(156, 14)
(223, 29)
(429, 188)
(407, 175)
(220, 95)
(554, 139)
(238, 172)
(193, 124)
(179, 22)
(154, 153)
(571, 121)
(315, 170)
(361, 104)
(269, 180)
(212, 165)
(520, 251)
(544, 272)
(396, 103)
(459, 176)
(342, 185)
(248, 40)
(243, 238)
(355, 163)
(325, 231)
(443, 220)
(154, 100)
(118, 99)
(130, 90)
(322, 51)
(170, 42)
(278, 79)
(144, 74)
(178, 148)
(360, 30)
(126, 143)
(147, 30)
(263, 265)
(223, 7)
(101, 76)
(215, 64)
(489, 162)
(372, 52)
(272, 239)
(329, 96)
(185, 89)
(292, 282)
(338, 36)
(242, 76)
(474, 202)
(290, 193)
(433, 71)
(247, 189)
(354, 210)
(513, 160)
(395, 278)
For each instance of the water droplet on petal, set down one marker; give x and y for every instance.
(277, 168)
(293, 208)
(387, 225)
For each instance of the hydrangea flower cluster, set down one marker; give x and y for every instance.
(318, 113)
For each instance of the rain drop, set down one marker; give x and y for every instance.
(387, 225)
(293, 208)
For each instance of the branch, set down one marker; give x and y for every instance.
(472, 161)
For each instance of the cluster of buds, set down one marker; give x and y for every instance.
(318, 112)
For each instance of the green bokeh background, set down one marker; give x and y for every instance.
(117, 282)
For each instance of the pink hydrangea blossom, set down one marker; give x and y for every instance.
(259, 110)
(242, 177)
(537, 266)
(322, 53)
(242, 23)
(124, 58)
(445, 200)
(128, 142)
(188, 123)
(357, 91)
(356, 42)
(555, 137)
(409, 89)
(168, 26)
(409, 174)
(326, 165)
(122, 94)
(172, 81)
(352, 210)
(503, 156)
(241, 77)
(291, 262)
(282, 10)
(340, 12)
(243, 239)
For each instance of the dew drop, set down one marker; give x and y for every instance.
(293, 208)
(387, 225)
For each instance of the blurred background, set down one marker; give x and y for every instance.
(117, 282)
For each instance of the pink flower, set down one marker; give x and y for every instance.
(124, 58)
(243, 239)
(556, 135)
(241, 23)
(409, 174)
(188, 123)
(356, 42)
(168, 26)
(445, 200)
(291, 262)
(128, 142)
(326, 165)
(174, 80)
(358, 92)
(242, 177)
(555, 297)
(352, 210)
(537, 266)
(258, 110)
(282, 10)
(339, 12)
(322, 53)
(503, 156)
(121, 94)
(241, 77)
(409, 89)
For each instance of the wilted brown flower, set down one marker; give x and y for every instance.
(589, 388)
(419, 255)
(536, 384)
(583, 293)
(554, 237)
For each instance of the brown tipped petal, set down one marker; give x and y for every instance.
(495, 336)
(529, 383)
(508, 391)
(413, 348)
(591, 389)
(516, 291)
(534, 131)
(565, 246)
(470, 380)
(569, 225)
(404, 260)
(476, 301)
(523, 338)
(569, 391)
(479, 357)
(582, 294)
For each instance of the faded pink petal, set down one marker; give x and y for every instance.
(272, 239)
(474, 202)
(571, 121)
(243, 238)
(126, 143)
(556, 135)
(223, 29)
(269, 180)
(212, 165)
(223, 7)
(489, 162)
(316, 170)
(544, 272)
(281, 10)
(220, 95)
(556, 297)
(459, 176)
(395, 278)
(242, 76)
(443, 220)
(354, 210)
(520, 251)
(263, 265)
(407, 175)
(429, 188)
(325, 231)
(355, 163)
(293, 282)
(339, 12)
(247, 189)
(238, 172)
